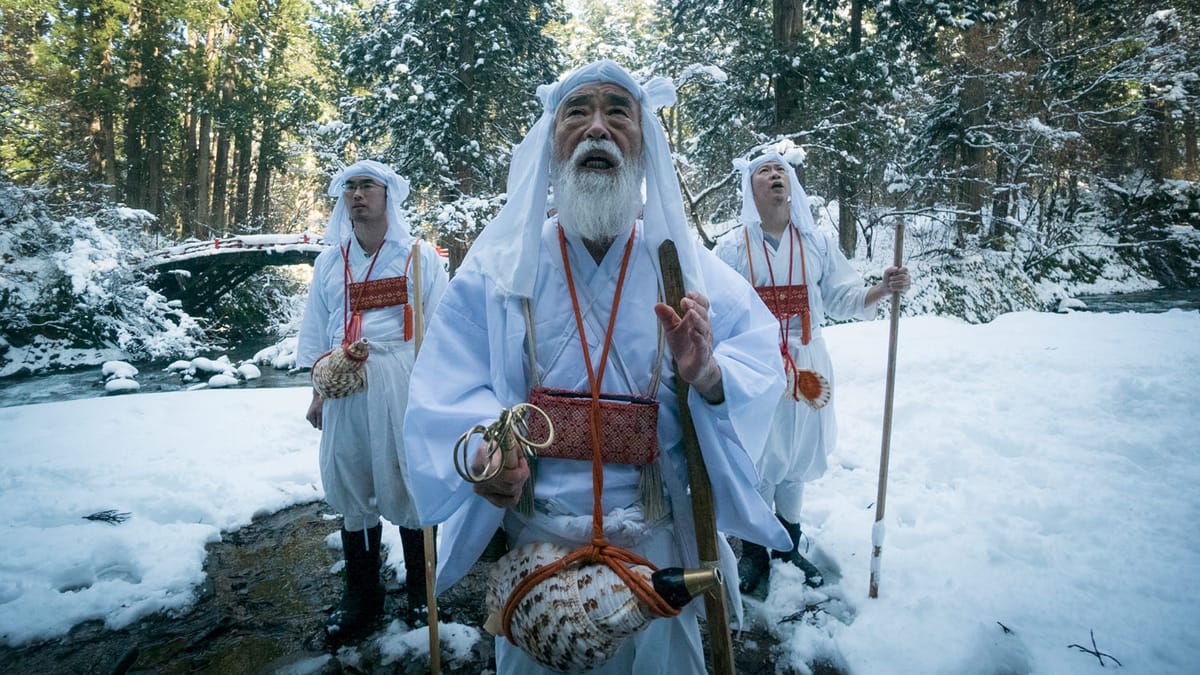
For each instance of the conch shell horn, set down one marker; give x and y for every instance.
(573, 621)
(578, 618)
(340, 372)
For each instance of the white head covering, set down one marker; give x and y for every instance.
(513, 235)
(800, 212)
(340, 228)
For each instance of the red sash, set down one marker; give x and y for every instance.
(786, 301)
(379, 293)
(360, 296)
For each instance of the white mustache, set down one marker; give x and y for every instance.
(590, 145)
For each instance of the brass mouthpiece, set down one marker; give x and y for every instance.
(678, 586)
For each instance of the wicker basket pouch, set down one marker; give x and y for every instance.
(628, 426)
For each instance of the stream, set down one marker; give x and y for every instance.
(88, 381)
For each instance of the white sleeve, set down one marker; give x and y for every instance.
(313, 340)
(842, 289)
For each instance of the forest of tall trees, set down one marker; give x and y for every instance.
(992, 117)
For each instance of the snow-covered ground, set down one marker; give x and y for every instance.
(1042, 490)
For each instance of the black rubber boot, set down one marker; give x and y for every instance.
(362, 602)
(416, 612)
(812, 575)
(754, 568)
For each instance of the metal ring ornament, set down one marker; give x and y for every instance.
(509, 433)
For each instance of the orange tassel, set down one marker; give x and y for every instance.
(805, 329)
(408, 322)
(354, 331)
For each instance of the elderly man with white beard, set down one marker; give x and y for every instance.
(570, 308)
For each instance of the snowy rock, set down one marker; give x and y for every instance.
(121, 385)
(179, 366)
(118, 370)
(207, 365)
(280, 356)
(221, 365)
(249, 371)
(221, 380)
(1069, 304)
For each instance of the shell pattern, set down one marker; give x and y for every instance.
(573, 621)
(340, 372)
(809, 386)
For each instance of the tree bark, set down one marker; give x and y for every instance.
(847, 172)
(204, 139)
(203, 169)
(154, 177)
(134, 170)
(243, 158)
(218, 218)
(1191, 160)
(786, 25)
(268, 145)
(1000, 204)
(972, 108)
(188, 178)
(847, 219)
(465, 114)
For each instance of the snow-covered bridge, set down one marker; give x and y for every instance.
(198, 273)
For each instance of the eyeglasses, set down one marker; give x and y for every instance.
(352, 186)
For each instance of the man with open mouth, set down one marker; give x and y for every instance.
(802, 277)
(567, 313)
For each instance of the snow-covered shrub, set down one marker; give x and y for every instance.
(69, 281)
(1163, 217)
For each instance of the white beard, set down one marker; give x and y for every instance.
(595, 206)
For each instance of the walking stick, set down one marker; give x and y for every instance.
(703, 510)
(435, 645)
(889, 391)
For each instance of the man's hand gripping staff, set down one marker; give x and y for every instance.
(500, 468)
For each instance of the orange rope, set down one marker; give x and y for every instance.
(789, 364)
(598, 550)
(352, 324)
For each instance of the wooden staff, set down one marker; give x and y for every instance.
(889, 392)
(703, 510)
(435, 645)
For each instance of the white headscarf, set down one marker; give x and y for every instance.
(513, 236)
(340, 228)
(801, 213)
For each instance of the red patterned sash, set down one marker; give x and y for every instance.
(788, 300)
(360, 296)
(628, 425)
(785, 301)
(365, 295)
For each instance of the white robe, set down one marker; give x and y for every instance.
(801, 438)
(362, 454)
(474, 363)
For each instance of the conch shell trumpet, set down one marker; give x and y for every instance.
(578, 618)
(340, 372)
(573, 621)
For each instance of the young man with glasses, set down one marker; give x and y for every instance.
(360, 306)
